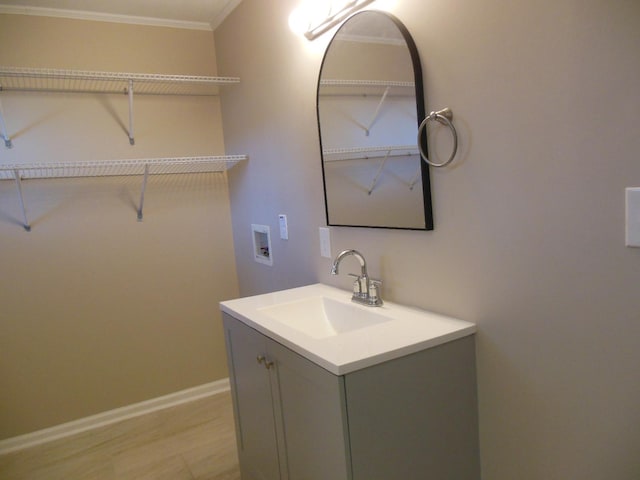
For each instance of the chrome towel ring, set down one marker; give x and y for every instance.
(444, 117)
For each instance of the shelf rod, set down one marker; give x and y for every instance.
(132, 140)
(3, 129)
(144, 188)
(26, 225)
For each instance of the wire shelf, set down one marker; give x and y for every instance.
(142, 166)
(56, 80)
(103, 168)
(83, 81)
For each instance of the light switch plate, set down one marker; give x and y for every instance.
(284, 228)
(633, 217)
(325, 242)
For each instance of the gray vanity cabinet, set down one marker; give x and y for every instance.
(290, 414)
(411, 418)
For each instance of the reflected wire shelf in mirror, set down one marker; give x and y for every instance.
(336, 87)
(358, 153)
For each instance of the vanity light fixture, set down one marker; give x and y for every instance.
(319, 17)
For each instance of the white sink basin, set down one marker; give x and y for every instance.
(322, 317)
(322, 324)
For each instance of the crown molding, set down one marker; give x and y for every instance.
(228, 8)
(106, 17)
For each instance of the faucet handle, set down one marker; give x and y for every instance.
(357, 286)
(374, 291)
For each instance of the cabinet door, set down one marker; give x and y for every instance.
(313, 417)
(253, 405)
(415, 417)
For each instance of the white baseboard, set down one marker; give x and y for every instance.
(112, 416)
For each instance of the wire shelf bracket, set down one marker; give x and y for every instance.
(132, 140)
(25, 224)
(144, 188)
(379, 172)
(144, 167)
(80, 81)
(3, 129)
(376, 114)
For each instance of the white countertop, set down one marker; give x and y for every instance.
(409, 331)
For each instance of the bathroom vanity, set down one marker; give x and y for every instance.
(324, 389)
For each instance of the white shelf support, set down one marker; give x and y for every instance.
(3, 129)
(377, 112)
(25, 224)
(144, 188)
(379, 172)
(415, 178)
(132, 140)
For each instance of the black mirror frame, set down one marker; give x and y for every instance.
(420, 111)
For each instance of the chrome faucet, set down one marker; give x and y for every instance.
(365, 289)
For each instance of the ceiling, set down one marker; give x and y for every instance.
(196, 14)
(371, 27)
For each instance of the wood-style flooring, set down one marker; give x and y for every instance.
(191, 441)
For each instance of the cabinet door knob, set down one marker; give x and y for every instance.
(263, 360)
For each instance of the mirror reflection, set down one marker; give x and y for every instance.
(370, 104)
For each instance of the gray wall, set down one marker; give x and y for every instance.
(529, 221)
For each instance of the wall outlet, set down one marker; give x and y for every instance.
(633, 217)
(325, 242)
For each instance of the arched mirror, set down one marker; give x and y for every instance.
(370, 103)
